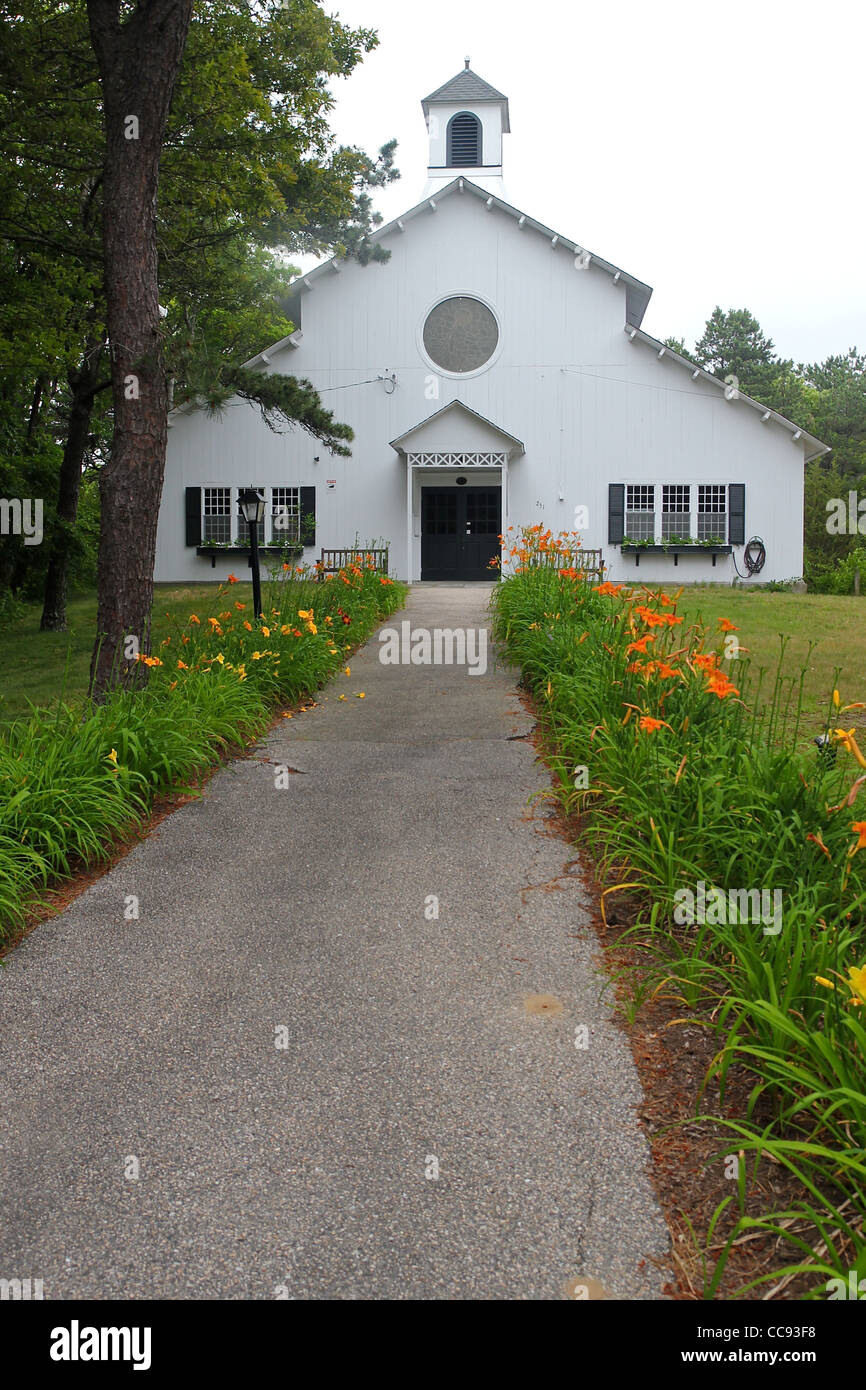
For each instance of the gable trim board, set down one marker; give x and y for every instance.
(638, 294)
(455, 408)
(817, 449)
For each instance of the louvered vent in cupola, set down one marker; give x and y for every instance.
(464, 140)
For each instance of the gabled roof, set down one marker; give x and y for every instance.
(469, 87)
(813, 448)
(637, 293)
(515, 445)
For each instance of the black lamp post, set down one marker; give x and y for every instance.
(251, 505)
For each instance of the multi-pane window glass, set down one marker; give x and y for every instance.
(712, 512)
(676, 521)
(440, 512)
(217, 517)
(639, 512)
(482, 512)
(285, 515)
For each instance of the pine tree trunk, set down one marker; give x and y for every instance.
(139, 60)
(83, 384)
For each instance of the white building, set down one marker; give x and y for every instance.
(495, 374)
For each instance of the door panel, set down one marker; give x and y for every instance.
(460, 529)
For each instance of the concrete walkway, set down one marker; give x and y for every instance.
(286, 1049)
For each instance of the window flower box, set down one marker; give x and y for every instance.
(291, 552)
(673, 548)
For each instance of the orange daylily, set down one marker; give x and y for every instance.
(849, 743)
(721, 686)
(842, 708)
(727, 626)
(650, 725)
(859, 829)
(640, 644)
(649, 617)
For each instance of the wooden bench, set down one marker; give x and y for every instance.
(332, 561)
(588, 561)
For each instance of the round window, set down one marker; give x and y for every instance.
(460, 334)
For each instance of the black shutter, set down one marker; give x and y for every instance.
(308, 516)
(736, 514)
(193, 516)
(615, 513)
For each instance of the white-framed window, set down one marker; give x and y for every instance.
(222, 523)
(712, 512)
(676, 516)
(663, 512)
(285, 515)
(639, 511)
(217, 514)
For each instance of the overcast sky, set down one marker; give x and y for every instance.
(714, 151)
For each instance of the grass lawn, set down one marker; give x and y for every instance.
(40, 667)
(836, 624)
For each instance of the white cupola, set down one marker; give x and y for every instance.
(466, 120)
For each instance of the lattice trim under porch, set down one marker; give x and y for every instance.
(452, 460)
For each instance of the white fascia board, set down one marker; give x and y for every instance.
(461, 184)
(796, 431)
(293, 340)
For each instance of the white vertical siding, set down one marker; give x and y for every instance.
(590, 406)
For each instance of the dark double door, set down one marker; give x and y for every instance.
(460, 529)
